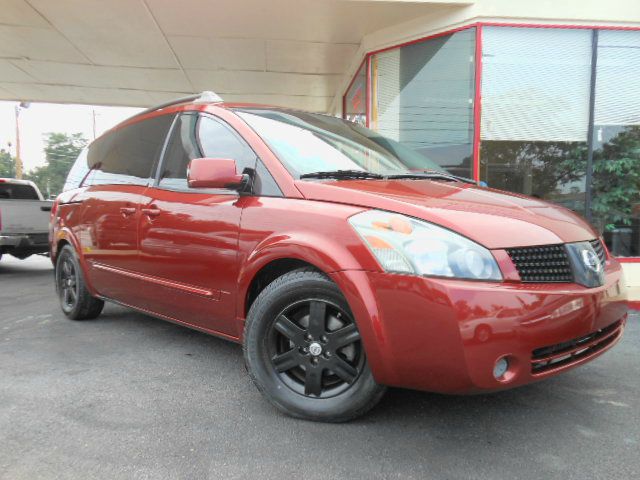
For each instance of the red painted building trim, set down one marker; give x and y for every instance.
(558, 25)
(628, 259)
(477, 104)
(423, 39)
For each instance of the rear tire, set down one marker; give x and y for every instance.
(303, 350)
(75, 300)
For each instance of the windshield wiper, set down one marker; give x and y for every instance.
(343, 175)
(432, 175)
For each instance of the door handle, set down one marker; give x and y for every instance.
(151, 212)
(126, 211)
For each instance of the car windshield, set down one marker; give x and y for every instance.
(309, 144)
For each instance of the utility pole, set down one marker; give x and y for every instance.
(18, 157)
(93, 113)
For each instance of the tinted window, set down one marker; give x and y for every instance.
(128, 154)
(15, 191)
(201, 136)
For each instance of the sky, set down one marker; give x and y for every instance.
(41, 118)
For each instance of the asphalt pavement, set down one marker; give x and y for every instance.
(127, 396)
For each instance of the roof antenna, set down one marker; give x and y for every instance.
(207, 97)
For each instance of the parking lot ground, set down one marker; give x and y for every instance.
(127, 396)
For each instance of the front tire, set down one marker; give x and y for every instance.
(304, 353)
(75, 300)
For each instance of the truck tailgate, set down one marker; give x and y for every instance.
(24, 216)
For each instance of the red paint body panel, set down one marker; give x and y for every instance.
(478, 213)
(190, 257)
(446, 335)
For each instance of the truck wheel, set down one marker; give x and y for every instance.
(303, 350)
(75, 300)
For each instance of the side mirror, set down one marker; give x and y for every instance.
(214, 173)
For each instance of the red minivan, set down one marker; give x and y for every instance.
(342, 260)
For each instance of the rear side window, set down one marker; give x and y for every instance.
(14, 191)
(129, 154)
(195, 136)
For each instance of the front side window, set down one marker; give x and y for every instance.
(196, 136)
(308, 143)
(127, 155)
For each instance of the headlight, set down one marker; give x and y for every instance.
(406, 245)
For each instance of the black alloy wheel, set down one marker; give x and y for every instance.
(67, 284)
(304, 351)
(75, 299)
(316, 348)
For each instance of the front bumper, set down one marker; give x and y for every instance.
(445, 335)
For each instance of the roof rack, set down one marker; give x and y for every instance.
(203, 97)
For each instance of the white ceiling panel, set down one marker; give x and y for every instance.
(314, 104)
(263, 82)
(219, 53)
(68, 94)
(140, 52)
(310, 20)
(19, 12)
(113, 32)
(99, 76)
(37, 44)
(11, 73)
(306, 57)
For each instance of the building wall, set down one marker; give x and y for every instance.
(573, 12)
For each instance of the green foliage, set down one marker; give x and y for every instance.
(616, 179)
(7, 164)
(547, 169)
(61, 151)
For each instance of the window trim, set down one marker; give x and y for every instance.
(212, 191)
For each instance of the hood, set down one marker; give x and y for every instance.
(490, 217)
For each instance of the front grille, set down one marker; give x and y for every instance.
(549, 263)
(599, 249)
(555, 356)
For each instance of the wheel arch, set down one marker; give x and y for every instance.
(66, 237)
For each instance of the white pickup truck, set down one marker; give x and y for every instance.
(24, 219)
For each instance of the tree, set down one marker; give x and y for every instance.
(616, 179)
(7, 164)
(61, 150)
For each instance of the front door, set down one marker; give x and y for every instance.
(122, 163)
(189, 237)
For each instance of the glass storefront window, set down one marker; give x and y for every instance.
(355, 100)
(615, 203)
(535, 120)
(535, 112)
(422, 96)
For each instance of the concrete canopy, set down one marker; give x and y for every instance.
(142, 52)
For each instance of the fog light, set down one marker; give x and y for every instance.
(500, 368)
